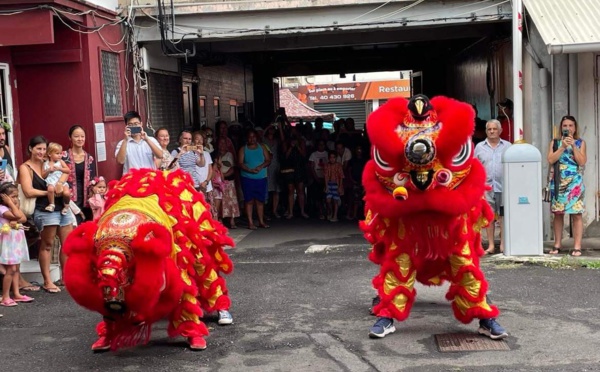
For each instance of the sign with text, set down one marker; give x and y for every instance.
(356, 91)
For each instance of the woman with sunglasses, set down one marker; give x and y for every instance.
(567, 198)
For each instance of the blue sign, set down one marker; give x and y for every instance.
(523, 200)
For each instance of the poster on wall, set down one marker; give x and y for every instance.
(101, 151)
(99, 131)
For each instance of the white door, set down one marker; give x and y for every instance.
(6, 108)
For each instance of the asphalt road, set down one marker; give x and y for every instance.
(299, 311)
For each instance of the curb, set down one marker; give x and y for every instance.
(546, 258)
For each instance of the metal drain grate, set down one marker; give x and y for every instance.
(449, 342)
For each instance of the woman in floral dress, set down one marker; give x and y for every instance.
(229, 205)
(571, 157)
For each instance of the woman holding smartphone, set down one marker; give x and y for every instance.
(571, 156)
(190, 157)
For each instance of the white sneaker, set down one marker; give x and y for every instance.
(225, 317)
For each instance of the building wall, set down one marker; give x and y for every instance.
(230, 82)
(588, 126)
(108, 4)
(60, 85)
(467, 79)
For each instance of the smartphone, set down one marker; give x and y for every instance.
(565, 133)
(3, 165)
(135, 130)
(191, 148)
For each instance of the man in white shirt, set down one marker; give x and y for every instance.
(489, 153)
(137, 150)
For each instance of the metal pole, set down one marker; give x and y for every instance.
(517, 46)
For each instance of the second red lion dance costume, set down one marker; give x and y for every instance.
(425, 209)
(155, 253)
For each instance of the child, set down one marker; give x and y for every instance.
(218, 186)
(334, 174)
(55, 173)
(96, 196)
(13, 244)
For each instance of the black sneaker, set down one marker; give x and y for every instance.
(382, 327)
(375, 302)
(491, 329)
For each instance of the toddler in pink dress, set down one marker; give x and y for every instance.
(96, 196)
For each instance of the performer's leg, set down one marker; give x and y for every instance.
(395, 287)
(185, 321)
(103, 342)
(214, 294)
(468, 293)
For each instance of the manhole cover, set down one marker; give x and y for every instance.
(449, 342)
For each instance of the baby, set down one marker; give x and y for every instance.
(55, 172)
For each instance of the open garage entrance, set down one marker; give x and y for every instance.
(228, 56)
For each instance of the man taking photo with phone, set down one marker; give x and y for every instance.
(137, 149)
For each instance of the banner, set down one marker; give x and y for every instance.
(356, 91)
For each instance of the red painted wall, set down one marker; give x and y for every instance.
(60, 85)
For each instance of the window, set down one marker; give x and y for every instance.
(111, 84)
(233, 110)
(202, 106)
(217, 107)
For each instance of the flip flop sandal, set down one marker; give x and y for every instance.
(576, 253)
(24, 299)
(51, 290)
(556, 250)
(30, 288)
(8, 303)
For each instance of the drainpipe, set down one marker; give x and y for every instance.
(573, 85)
(546, 133)
(517, 47)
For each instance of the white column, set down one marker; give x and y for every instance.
(517, 46)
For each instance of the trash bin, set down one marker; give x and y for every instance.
(522, 185)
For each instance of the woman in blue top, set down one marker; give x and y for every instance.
(571, 156)
(253, 160)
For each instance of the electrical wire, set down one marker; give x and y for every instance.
(367, 13)
(396, 12)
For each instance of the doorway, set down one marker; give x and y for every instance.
(6, 109)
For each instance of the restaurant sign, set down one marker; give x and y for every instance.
(355, 91)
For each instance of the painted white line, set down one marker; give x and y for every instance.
(316, 248)
(319, 248)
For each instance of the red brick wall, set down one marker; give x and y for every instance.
(228, 83)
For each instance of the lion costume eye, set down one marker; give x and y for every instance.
(463, 155)
(380, 162)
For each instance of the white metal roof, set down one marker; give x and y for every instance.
(567, 26)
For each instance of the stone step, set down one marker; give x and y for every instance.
(30, 270)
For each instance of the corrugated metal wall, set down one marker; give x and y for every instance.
(350, 109)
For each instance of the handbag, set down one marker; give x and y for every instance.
(546, 194)
(27, 205)
(553, 172)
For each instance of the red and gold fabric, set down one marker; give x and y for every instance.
(155, 253)
(425, 206)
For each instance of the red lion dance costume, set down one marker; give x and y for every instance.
(154, 253)
(425, 209)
